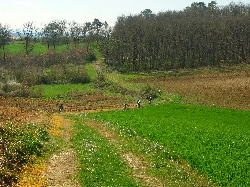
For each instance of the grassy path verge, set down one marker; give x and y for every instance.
(101, 165)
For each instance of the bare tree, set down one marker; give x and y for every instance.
(86, 34)
(4, 35)
(199, 35)
(30, 34)
(75, 31)
(53, 32)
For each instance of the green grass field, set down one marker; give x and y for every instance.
(18, 47)
(214, 141)
(60, 91)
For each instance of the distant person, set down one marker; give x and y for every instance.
(150, 100)
(138, 103)
(125, 106)
(159, 91)
(60, 108)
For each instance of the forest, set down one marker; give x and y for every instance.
(198, 36)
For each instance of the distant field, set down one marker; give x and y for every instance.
(214, 141)
(56, 91)
(18, 47)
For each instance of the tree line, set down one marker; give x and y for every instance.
(56, 32)
(199, 35)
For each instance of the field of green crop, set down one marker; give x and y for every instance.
(57, 91)
(17, 47)
(215, 141)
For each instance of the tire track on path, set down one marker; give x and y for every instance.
(62, 167)
(137, 163)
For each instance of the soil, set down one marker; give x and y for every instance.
(64, 165)
(227, 90)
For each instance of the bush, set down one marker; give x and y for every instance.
(17, 145)
(148, 91)
(40, 68)
(91, 57)
(100, 81)
(63, 74)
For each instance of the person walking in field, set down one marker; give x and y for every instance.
(60, 108)
(138, 103)
(150, 100)
(125, 106)
(159, 92)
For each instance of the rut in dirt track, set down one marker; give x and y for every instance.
(63, 165)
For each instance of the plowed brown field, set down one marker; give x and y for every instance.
(23, 110)
(229, 90)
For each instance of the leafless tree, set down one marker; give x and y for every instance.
(53, 32)
(30, 34)
(4, 36)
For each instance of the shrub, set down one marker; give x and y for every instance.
(91, 57)
(148, 91)
(100, 81)
(52, 67)
(63, 74)
(17, 145)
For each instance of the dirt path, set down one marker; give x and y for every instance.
(64, 165)
(60, 169)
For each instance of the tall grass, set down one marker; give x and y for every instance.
(212, 140)
(91, 71)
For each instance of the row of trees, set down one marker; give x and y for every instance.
(199, 35)
(55, 33)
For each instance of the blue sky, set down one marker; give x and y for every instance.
(17, 12)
